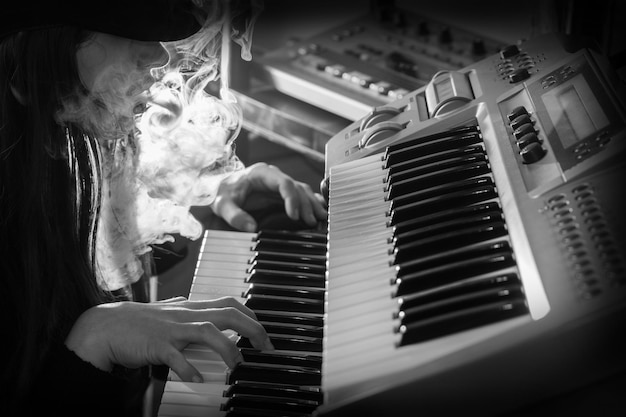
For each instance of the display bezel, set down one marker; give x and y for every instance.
(569, 155)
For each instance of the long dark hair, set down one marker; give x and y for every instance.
(49, 195)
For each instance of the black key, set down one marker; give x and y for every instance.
(295, 267)
(292, 330)
(449, 175)
(444, 274)
(448, 241)
(263, 276)
(296, 344)
(296, 246)
(258, 402)
(439, 191)
(254, 356)
(288, 318)
(269, 373)
(405, 235)
(447, 257)
(293, 235)
(461, 320)
(290, 257)
(428, 167)
(442, 202)
(290, 304)
(399, 168)
(437, 142)
(460, 302)
(276, 390)
(285, 291)
(467, 286)
(446, 215)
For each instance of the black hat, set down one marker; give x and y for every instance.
(144, 20)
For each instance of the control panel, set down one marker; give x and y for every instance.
(553, 121)
(372, 60)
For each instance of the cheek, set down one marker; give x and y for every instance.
(92, 60)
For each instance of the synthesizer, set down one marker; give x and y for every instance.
(474, 260)
(536, 132)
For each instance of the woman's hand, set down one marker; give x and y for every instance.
(137, 334)
(266, 182)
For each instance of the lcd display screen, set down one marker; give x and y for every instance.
(574, 111)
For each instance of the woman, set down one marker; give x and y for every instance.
(73, 345)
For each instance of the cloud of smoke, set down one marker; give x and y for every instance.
(165, 144)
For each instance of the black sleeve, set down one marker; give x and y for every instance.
(69, 386)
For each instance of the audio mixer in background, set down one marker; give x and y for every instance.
(371, 60)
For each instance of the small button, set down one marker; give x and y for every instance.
(509, 52)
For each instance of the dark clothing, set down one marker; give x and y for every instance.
(69, 386)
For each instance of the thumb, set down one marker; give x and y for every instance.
(235, 216)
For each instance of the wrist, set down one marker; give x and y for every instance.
(85, 342)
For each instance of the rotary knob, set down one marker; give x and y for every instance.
(527, 139)
(519, 121)
(523, 130)
(532, 153)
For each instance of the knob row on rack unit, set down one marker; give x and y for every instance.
(515, 64)
(528, 143)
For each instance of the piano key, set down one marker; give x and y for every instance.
(285, 291)
(408, 173)
(288, 304)
(262, 276)
(231, 262)
(301, 319)
(461, 320)
(276, 390)
(289, 256)
(287, 266)
(308, 361)
(209, 291)
(293, 245)
(463, 301)
(296, 375)
(450, 133)
(404, 235)
(447, 241)
(406, 166)
(420, 196)
(291, 330)
(450, 256)
(287, 343)
(191, 399)
(446, 215)
(438, 178)
(428, 206)
(425, 145)
(299, 235)
(440, 275)
(454, 289)
(269, 403)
